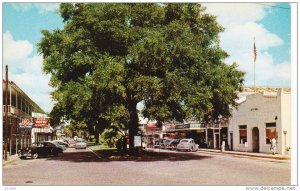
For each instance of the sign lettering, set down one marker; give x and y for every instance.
(25, 123)
(40, 122)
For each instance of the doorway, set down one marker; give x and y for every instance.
(231, 141)
(255, 139)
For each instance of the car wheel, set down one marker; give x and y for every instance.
(35, 155)
(22, 157)
(56, 154)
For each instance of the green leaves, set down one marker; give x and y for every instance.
(109, 57)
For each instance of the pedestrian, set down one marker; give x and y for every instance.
(273, 145)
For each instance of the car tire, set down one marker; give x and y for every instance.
(35, 156)
(56, 154)
(22, 157)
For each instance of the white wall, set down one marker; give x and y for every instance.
(286, 120)
(256, 111)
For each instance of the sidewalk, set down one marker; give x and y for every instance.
(250, 154)
(247, 154)
(10, 159)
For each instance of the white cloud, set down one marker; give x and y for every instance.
(241, 38)
(22, 6)
(266, 72)
(25, 70)
(42, 7)
(15, 51)
(231, 14)
(240, 22)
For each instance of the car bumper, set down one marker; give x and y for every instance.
(182, 148)
(80, 146)
(23, 155)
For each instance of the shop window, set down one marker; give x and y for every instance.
(19, 101)
(270, 132)
(243, 134)
(13, 99)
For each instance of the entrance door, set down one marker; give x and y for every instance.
(217, 141)
(231, 141)
(255, 139)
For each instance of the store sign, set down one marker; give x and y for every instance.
(40, 122)
(195, 126)
(25, 123)
(150, 127)
(182, 126)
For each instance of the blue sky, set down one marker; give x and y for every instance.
(282, 26)
(270, 25)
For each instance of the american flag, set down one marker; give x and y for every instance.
(255, 53)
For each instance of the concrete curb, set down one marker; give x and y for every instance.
(10, 161)
(97, 155)
(278, 157)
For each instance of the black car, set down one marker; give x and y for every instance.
(173, 144)
(40, 149)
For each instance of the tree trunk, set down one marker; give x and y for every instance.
(133, 124)
(97, 134)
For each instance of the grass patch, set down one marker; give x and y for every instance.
(100, 147)
(112, 154)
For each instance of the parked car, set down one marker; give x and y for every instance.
(80, 144)
(60, 144)
(164, 143)
(187, 144)
(40, 149)
(160, 143)
(173, 144)
(157, 144)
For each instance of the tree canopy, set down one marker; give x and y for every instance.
(108, 57)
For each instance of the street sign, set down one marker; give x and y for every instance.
(137, 141)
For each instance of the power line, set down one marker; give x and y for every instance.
(274, 6)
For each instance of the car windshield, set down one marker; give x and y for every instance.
(56, 143)
(37, 144)
(185, 141)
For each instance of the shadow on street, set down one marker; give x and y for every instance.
(114, 155)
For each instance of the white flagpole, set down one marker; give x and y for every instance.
(254, 64)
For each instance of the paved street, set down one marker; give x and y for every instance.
(82, 167)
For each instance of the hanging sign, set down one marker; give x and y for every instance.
(40, 122)
(182, 126)
(25, 123)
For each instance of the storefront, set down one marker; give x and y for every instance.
(260, 117)
(18, 115)
(196, 131)
(206, 135)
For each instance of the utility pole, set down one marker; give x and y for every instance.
(6, 113)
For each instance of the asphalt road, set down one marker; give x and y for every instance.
(82, 167)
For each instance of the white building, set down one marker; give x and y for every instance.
(259, 117)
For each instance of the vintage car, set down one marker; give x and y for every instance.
(164, 143)
(188, 145)
(40, 149)
(173, 144)
(60, 144)
(80, 144)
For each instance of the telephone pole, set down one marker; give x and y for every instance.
(6, 113)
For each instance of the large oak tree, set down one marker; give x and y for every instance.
(108, 57)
